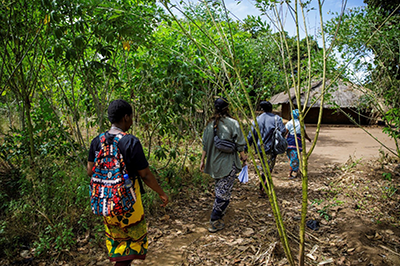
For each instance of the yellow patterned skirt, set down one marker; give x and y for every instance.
(126, 235)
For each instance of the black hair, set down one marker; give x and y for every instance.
(117, 110)
(266, 106)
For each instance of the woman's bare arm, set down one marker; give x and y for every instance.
(150, 180)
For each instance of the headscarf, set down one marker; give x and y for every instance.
(221, 104)
(296, 114)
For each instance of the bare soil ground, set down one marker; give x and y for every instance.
(353, 194)
(357, 208)
(337, 143)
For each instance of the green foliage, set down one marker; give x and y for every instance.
(98, 231)
(48, 204)
(368, 41)
(9, 242)
(392, 117)
(387, 176)
(59, 237)
(386, 7)
(317, 201)
(201, 180)
(351, 163)
(170, 179)
(81, 43)
(388, 191)
(324, 211)
(50, 139)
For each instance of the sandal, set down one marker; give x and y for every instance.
(262, 194)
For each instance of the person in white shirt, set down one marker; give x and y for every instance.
(294, 131)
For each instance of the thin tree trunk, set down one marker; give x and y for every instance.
(27, 109)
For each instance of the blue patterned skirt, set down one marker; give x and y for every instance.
(223, 192)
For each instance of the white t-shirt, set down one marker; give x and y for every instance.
(289, 126)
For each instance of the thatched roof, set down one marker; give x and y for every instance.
(344, 94)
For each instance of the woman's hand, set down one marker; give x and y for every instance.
(89, 168)
(202, 166)
(164, 199)
(243, 158)
(203, 157)
(150, 180)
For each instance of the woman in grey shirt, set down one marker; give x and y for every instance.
(222, 166)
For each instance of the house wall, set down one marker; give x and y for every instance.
(286, 111)
(330, 116)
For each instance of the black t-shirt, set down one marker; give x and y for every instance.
(130, 148)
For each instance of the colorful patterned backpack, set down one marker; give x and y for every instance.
(108, 194)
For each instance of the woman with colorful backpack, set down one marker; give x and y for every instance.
(115, 160)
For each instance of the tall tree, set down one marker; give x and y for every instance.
(24, 26)
(368, 39)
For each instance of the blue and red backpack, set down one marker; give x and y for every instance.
(108, 194)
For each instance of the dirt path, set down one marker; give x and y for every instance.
(337, 143)
(180, 237)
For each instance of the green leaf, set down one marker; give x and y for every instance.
(58, 33)
(114, 16)
(70, 54)
(80, 42)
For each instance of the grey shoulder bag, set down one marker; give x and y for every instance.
(222, 144)
(279, 143)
